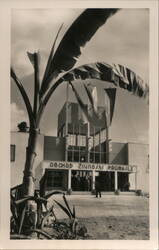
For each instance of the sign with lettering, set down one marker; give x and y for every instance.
(88, 166)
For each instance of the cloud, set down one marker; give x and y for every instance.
(124, 38)
(33, 30)
(17, 115)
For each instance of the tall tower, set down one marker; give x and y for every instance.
(81, 145)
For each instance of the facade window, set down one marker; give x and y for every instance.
(72, 140)
(12, 153)
(55, 179)
(81, 180)
(78, 141)
(81, 140)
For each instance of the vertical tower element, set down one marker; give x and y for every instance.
(107, 144)
(66, 124)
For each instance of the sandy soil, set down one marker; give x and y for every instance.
(111, 217)
(117, 228)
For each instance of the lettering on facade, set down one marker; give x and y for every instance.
(62, 165)
(120, 168)
(90, 166)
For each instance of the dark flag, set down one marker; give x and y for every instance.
(110, 96)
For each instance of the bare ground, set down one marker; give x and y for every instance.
(111, 217)
(117, 228)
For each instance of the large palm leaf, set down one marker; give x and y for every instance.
(122, 78)
(126, 78)
(69, 49)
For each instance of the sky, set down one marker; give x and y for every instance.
(123, 39)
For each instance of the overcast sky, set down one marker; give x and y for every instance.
(123, 39)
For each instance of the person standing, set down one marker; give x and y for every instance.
(98, 187)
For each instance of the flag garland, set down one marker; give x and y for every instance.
(123, 77)
(110, 97)
(92, 113)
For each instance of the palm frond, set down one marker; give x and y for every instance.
(69, 49)
(106, 72)
(50, 57)
(25, 97)
(17, 202)
(41, 232)
(64, 209)
(22, 219)
(35, 61)
(74, 212)
(67, 205)
(47, 196)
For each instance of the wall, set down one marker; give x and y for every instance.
(20, 139)
(138, 155)
(54, 148)
(118, 153)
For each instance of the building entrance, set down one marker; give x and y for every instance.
(81, 180)
(106, 180)
(54, 180)
(123, 181)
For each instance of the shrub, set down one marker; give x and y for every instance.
(139, 192)
(117, 192)
(69, 191)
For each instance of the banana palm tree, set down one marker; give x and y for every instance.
(59, 69)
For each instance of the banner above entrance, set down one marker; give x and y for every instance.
(88, 166)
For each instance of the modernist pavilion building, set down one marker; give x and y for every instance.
(74, 159)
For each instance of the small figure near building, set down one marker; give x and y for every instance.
(127, 186)
(98, 187)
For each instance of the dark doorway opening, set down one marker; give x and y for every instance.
(81, 180)
(106, 180)
(54, 180)
(123, 181)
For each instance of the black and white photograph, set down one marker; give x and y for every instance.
(81, 119)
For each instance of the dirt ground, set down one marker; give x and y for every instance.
(111, 217)
(118, 228)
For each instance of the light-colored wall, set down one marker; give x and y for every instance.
(138, 155)
(118, 153)
(54, 148)
(20, 139)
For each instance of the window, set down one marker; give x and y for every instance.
(81, 180)
(81, 140)
(72, 140)
(12, 153)
(55, 179)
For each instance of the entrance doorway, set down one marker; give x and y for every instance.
(56, 179)
(81, 180)
(107, 181)
(123, 181)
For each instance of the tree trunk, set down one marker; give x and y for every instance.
(28, 179)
